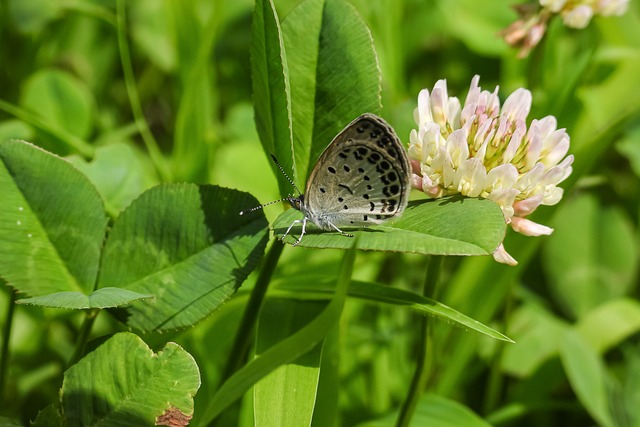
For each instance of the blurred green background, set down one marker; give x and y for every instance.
(185, 114)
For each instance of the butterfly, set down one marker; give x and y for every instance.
(362, 178)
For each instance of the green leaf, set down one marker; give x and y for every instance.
(33, 16)
(271, 92)
(123, 382)
(477, 24)
(119, 173)
(288, 349)
(149, 21)
(334, 75)
(435, 411)
(538, 334)
(52, 223)
(448, 226)
(602, 267)
(63, 101)
(187, 245)
(610, 323)
(588, 377)
(316, 287)
(286, 397)
(197, 103)
(15, 129)
(102, 298)
(50, 416)
(629, 146)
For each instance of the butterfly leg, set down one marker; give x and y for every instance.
(289, 229)
(304, 226)
(340, 231)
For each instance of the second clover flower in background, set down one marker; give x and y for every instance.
(527, 31)
(484, 150)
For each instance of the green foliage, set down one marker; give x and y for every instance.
(123, 382)
(150, 126)
(451, 226)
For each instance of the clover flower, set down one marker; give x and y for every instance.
(527, 31)
(484, 150)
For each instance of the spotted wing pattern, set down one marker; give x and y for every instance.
(362, 178)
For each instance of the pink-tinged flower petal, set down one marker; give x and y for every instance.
(517, 105)
(553, 5)
(544, 126)
(504, 197)
(536, 32)
(430, 142)
(422, 114)
(533, 150)
(529, 228)
(454, 112)
(578, 17)
(557, 174)
(612, 7)
(554, 148)
(502, 176)
(515, 32)
(552, 196)
(470, 103)
(416, 181)
(415, 166)
(529, 181)
(525, 207)
(503, 257)
(440, 103)
(415, 146)
(457, 147)
(470, 178)
(514, 144)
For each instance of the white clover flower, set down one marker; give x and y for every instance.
(577, 17)
(526, 32)
(484, 150)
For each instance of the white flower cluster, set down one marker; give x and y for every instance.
(483, 150)
(526, 32)
(577, 14)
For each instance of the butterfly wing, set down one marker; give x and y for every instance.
(363, 177)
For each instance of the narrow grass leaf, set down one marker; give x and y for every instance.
(286, 397)
(288, 349)
(435, 411)
(316, 287)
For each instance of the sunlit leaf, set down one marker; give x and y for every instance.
(449, 226)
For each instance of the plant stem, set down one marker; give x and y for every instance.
(242, 340)
(6, 335)
(495, 382)
(134, 98)
(424, 360)
(83, 338)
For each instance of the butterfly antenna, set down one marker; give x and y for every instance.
(273, 157)
(262, 206)
(289, 199)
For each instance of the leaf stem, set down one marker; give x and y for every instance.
(424, 357)
(83, 338)
(6, 335)
(134, 98)
(242, 340)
